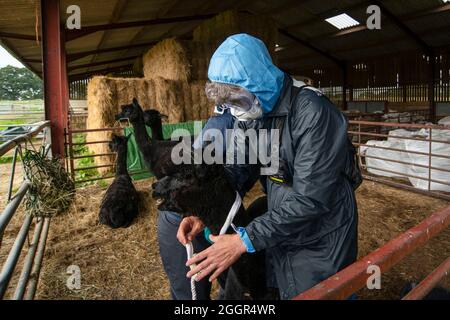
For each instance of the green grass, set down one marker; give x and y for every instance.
(37, 105)
(24, 102)
(11, 122)
(8, 159)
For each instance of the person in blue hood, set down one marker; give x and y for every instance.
(310, 229)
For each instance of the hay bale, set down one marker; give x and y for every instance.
(106, 95)
(102, 107)
(218, 28)
(174, 59)
(169, 99)
(187, 100)
(201, 107)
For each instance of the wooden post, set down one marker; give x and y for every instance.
(431, 83)
(344, 86)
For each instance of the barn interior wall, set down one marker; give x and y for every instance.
(398, 78)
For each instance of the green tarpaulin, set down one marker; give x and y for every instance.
(135, 160)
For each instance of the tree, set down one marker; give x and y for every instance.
(19, 84)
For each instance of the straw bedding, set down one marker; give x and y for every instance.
(125, 263)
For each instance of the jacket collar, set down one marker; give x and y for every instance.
(284, 101)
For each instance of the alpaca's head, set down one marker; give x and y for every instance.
(153, 118)
(133, 112)
(118, 142)
(174, 191)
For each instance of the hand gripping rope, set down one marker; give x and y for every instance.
(228, 222)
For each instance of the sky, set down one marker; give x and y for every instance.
(7, 59)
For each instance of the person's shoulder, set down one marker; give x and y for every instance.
(312, 107)
(313, 101)
(307, 102)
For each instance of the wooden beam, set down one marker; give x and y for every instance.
(19, 36)
(434, 10)
(84, 75)
(327, 14)
(344, 87)
(8, 47)
(310, 46)
(291, 4)
(32, 60)
(431, 85)
(374, 44)
(164, 11)
(117, 12)
(363, 27)
(100, 63)
(75, 34)
(402, 26)
(78, 55)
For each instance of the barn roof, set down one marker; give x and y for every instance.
(115, 32)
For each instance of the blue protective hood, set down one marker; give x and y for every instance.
(244, 61)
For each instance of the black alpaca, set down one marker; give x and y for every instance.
(157, 153)
(206, 193)
(120, 203)
(153, 119)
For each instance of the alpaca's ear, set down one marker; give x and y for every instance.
(135, 102)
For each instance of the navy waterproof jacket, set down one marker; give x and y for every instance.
(310, 229)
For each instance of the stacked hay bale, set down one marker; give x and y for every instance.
(106, 95)
(184, 62)
(217, 29)
(178, 60)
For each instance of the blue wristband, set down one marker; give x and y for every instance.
(207, 233)
(247, 242)
(242, 234)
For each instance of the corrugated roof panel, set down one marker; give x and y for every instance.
(407, 7)
(114, 38)
(92, 12)
(142, 10)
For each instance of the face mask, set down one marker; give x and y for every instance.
(255, 112)
(243, 105)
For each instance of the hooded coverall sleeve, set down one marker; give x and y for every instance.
(319, 141)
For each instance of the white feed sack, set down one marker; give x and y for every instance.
(437, 148)
(444, 121)
(393, 169)
(398, 169)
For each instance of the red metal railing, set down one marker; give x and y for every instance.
(71, 158)
(354, 277)
(430, 282)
